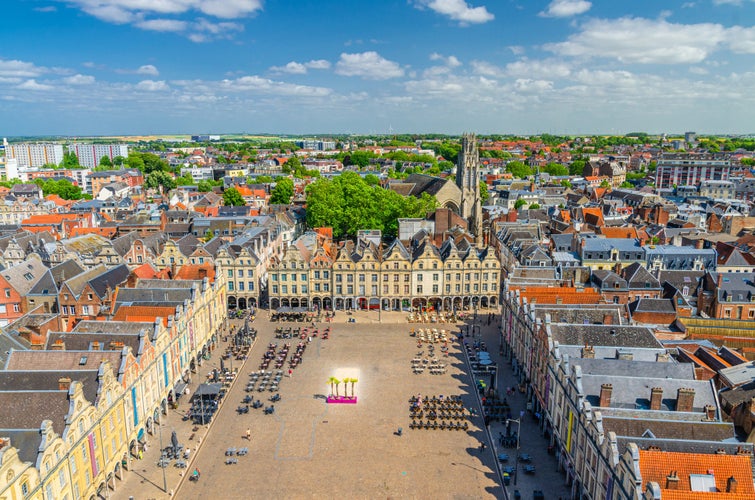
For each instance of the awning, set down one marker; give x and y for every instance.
(140, 435)
(180, 388)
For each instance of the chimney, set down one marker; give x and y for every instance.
(607, 319)
(662, 357)
(58, 345)
(710, 412)
(64, 383)
(699, 244)
(656, 397)
(731, 485)
(685, 399)
(588, 352)
(605, 395)
(672, 481)
(720, 279)
(720, 451)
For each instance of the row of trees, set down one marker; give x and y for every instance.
(348, 203)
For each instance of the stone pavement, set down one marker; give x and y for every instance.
(546, 478)
(310, 449)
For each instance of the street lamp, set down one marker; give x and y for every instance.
(518, 435)
(162, 464)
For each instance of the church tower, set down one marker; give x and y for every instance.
(468, 180)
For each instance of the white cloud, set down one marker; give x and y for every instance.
(297, 68)
(22, 69)
(123, 11)
(32, 84)
(47, 8)
(152, 85)
(528, 85)
(566, 8)
(79, 79)
(147, 69)
(638, 40)
(458, 10)
(261, 85)
(167, 25)
(450, 61)
(741, 40)
(368, 65)
(548, 68)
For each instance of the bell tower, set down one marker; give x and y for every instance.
(468, 181)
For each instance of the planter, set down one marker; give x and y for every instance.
(341, 400)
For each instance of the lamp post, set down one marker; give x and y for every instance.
(518, 435)
(160, 432)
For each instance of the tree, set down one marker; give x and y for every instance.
(359, 158)
(118, 161)
(232, 198)
(534, 206)
(293, 164)
(626, 184)
(372, 179)
(283, 192)
(519, 169)
(61, 187)
(605, 184)
(208, 235)
(566, 183)
(556, 169)
(70, 160)
(577, 167)
(484, 194)
(160, 180)
(520, 203)
(105, 161)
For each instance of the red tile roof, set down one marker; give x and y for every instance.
(144, 313)
(656, 465)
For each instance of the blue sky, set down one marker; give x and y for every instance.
(99, 67)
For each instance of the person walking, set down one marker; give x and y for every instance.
(248, 434)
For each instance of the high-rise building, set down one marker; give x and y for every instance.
(89, 155)
(690, 137)
(35, 155)
(468, 180)
(689, 169)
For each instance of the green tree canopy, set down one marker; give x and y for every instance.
(519, 203)
(484, 195)
(519, 169)
(62, 187)
(232, 198)
(556, 169)
(118, 161)
(105, 161)
(576, 167)
(347, 203)
(160, 180)
(283, 192)
(70, 160)
(206, 186)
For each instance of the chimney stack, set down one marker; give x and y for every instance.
(720, 279)
(588, 352)
(58, 345)
(731, 485)
(685, 399)
(672, 481)
(710, 412)
(64, 383)
(607, 319)
(656, 397)
(605, 395)
(662, 357)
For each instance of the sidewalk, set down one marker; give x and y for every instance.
(144, 478)
(546, 477)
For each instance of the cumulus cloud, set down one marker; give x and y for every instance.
(32, 84)
(79, 79)
(261, 85)
(123, 11)
(450, 61)
(638, 40)
(167, 25)
(368, 65)
(566, 8)
(297, 68)
(21, 69)
(152, 85)
(147, 69)
(457, 10)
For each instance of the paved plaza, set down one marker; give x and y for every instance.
(311, 449)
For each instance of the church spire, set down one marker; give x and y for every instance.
(468, 181)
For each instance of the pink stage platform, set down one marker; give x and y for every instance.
(341, 400)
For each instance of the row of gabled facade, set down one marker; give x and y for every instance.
(73, 429)
(363, 274)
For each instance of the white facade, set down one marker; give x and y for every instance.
(89, 155)
(9, 168)
(35, 155)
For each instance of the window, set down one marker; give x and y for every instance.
(350, 289)
(293, 276)
(275, 289)
(25, 488)
(284, 288)
(241, 286)
(72, 463)
(420, 277)
(361, 278)
(230, 286)
(374, 277)
(89, 296)
(230, 274)
(303, 277)
(7, 292)
(3, 309)
(241, 273)
(85, 309)
(326, 275)
(435, 288)
(435, 276)
(419, 288)
(339, 290)
(250, 286)
(62, 478)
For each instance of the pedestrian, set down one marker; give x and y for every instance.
(140, 455)
(248, 434)
(290, 373)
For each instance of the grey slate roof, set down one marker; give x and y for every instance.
(669, 429)
(633, 393)
(47, 380)
(28, 409)
(131, 295)
(25, 275)
(633, 368)
(25, 441)
(116, 327)
(604, 335)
